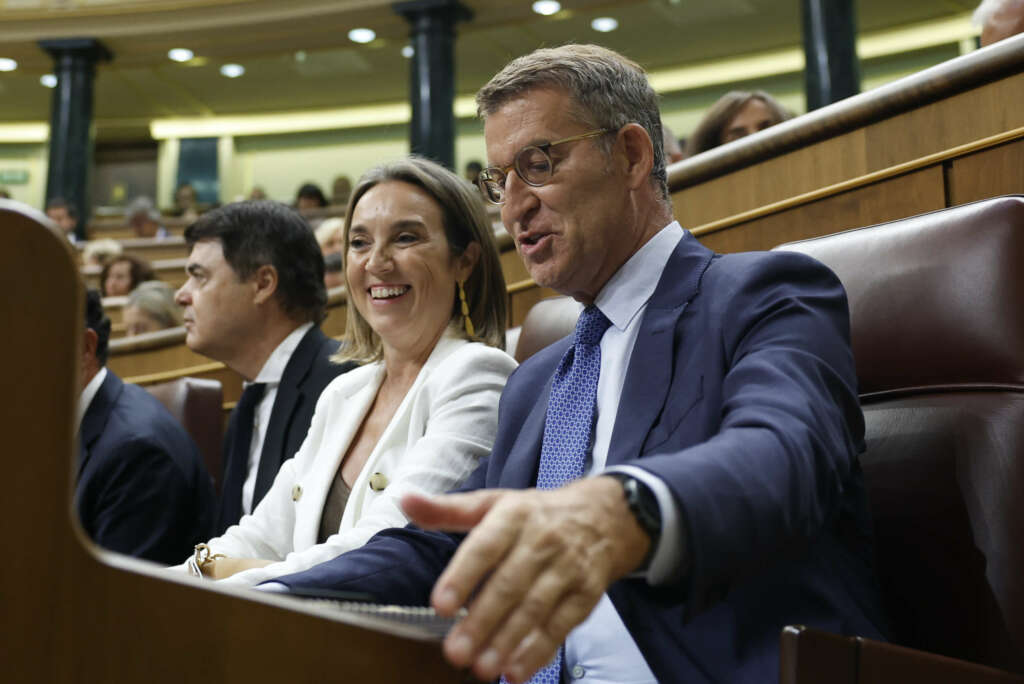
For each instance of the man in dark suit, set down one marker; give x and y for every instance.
(142, 487)
(712, 400)
(254, 300)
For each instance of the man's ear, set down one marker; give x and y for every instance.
(639, 153)
(466, 262)
(90, 340)
(264, 281)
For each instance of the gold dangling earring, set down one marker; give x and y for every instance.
(465, 311)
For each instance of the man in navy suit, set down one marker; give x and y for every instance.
(721, 497)
(254, 300)
(142, 487)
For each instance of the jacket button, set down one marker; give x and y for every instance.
(296, 492)
(378, 481)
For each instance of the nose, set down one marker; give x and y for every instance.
(181, 296)
(379, 259)
(519, 201)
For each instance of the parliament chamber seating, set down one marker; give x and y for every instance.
(76, 613)
(196, 403)
(937, 315)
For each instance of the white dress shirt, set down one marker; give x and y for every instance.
(88, 394)
(601, 649)
(270, 375)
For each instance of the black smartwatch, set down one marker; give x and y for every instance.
(644, 505)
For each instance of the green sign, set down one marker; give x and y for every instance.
(13, 176)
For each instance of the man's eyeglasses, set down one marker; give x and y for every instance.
(533, 165)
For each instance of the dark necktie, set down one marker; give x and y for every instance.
(238, 459)
(569, 425)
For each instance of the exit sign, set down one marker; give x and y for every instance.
(13, 176)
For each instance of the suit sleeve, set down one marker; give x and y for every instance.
(136, 506)
(462, 395)
(773, 476)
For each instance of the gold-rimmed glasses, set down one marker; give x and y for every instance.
(532, 164)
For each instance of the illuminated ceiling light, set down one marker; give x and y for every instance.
(48, 80)
(180, 54)
(300, 56)
(546, 7)
(604, 24)
(361, 35)
(7, 64)
(408, 52)
(232, 70)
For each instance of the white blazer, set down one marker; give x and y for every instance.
(444, 425)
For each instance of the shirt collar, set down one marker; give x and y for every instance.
(273, 369)
(88, 394)
(627, 292)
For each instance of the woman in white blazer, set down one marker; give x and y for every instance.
(426, 315)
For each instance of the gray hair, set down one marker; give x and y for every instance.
(156, 299)
(143, 206)
(607, 91)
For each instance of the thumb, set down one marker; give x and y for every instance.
(450, 512)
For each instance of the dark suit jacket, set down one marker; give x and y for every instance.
(142, 487)
(741, 395)
(309, 370)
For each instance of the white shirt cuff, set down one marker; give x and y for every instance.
(669, 559)
(273, 588)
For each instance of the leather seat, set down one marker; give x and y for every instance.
(198, 404)
(937, 316)
(547, 321)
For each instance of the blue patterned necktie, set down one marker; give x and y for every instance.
(569, 425)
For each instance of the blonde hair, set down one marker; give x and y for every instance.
(465, 222)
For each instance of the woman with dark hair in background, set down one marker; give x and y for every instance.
(123, 274)
(310, 196)
(736, 115)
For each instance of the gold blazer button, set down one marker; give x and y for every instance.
(378, 481)
(296, 492)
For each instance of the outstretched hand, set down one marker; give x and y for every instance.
(533, 566)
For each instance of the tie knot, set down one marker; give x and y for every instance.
(591, 326)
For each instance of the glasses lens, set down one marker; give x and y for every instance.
(533, 166)
(492, 182)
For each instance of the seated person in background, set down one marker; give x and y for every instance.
(124, 273)
(711, 399)
(65, 216)
(142, 486)
(310, 196)
(99, 252)
(341, 190)
(673, 151)
(736, 115)
(999, 19)
(472, 171)
(426, 316)
(330, 235)
(4, 193)
(186, 203)
(144, 219)
(151, 307)
(254, 301)
(257, 193)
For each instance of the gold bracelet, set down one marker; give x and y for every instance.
(203, 557)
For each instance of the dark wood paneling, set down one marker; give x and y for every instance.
(894, 198)
(988, 173)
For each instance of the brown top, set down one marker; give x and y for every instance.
(334, 508)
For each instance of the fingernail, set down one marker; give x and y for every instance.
(447, 599)
(461, 647)
(489, 661)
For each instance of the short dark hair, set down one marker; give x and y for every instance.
(97, 321)
(61, 203)
(312, 191)
(140, 269)
(262, 232)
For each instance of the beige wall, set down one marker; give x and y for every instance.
(31, 157)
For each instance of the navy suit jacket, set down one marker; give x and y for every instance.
(307, 373)
(142, 486)
(741, 395)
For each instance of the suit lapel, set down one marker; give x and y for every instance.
(289, 394)
(650, 366)
(96, 416)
